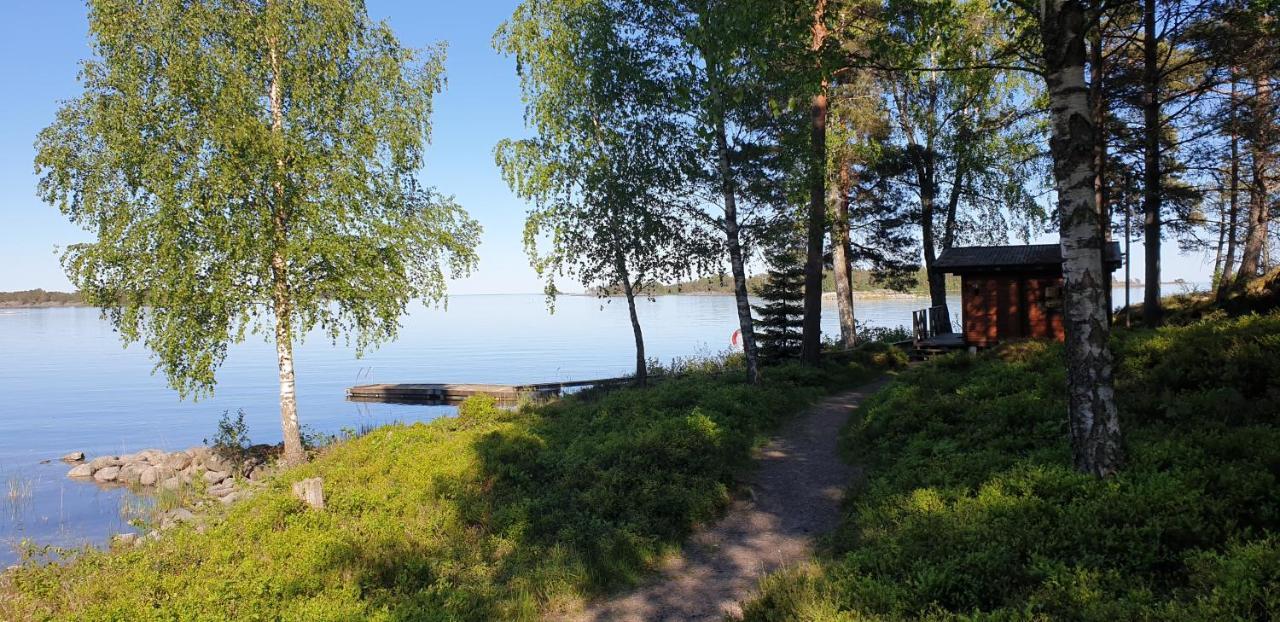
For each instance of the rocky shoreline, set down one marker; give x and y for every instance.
(199, 469)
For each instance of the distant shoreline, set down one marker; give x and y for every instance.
(53, 304)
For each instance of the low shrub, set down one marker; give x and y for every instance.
(491, 515)
(972, 510)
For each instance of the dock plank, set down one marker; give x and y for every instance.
(447, 393)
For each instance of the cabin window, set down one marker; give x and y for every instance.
(1052, 297)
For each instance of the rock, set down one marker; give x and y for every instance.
(232, 498)
(199, 454)
(223, 489)
(218, 463)
(178, 460)
(214, 477)
(81, 470)
(311, 492)
(102, 462)
(150, 476)
(125, 539)
(172, 518)
(127, 458)
(107, 474)
(172, 483)
(131, 473)
(259, 474)
(75, 456)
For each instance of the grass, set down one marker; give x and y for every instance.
(972, 511)
(490, 515)
(18, 488)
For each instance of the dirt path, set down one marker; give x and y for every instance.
(793, 496)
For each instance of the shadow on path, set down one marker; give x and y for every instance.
(793, 496)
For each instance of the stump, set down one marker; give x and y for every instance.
(310, 491)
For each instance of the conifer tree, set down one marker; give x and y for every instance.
(781, 316)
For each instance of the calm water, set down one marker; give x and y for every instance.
(66, 384)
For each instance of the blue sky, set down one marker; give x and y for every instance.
(42, 42)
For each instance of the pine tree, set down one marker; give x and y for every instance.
(781, 317)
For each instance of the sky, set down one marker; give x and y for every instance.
(41, 44)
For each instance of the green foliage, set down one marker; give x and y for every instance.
(781, 316)
(598, 171)
(231, 441)
(492, 515)
(210, 216)
(972, 509)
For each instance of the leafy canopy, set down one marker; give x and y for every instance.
(169, 157)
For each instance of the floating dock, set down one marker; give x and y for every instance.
(454, 393)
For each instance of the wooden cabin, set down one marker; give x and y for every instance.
(1011, 292)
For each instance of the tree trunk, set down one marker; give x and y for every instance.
(928, 196)
(642, 370)
(1128, 266)
(1259, 190)
(811, 329)
(1233, 215)
(841, 255)
(1098, 96)
(1094, 422)
(1151, 311)
(1222, 241)
(938, 282)
(737, 262)
(1097, 91)
(282, 296)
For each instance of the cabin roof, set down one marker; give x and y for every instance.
(1004, 258)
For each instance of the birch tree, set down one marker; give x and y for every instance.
(605, 191)
(251, 168)
(1094, 421)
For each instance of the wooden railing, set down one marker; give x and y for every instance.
(931, 322)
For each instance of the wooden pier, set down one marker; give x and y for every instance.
(454, 393)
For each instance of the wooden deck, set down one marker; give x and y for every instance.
(454, 393)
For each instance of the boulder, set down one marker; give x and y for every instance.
(172, 483)
(178, 460)
(75, 456)
(199, 454)
(81, 470)
(125, 539)
(175, 517)
(223, 489)
(150, 476)
(214, 477)
(231, 498)
(131, 473)
(102, 462)
(107, 474)
(218, 463)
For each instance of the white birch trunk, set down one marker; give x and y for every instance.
(1094, 422)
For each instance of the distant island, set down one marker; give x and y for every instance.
(864, 284)
(37, 298)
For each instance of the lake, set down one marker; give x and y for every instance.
(66, 384)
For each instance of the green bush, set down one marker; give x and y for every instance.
(492, 515)
(972, 510)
